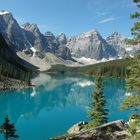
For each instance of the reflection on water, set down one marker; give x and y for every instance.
(56, 104)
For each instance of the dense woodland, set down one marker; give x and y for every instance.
(11, 66)
(114, 68)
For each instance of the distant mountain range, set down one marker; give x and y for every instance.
(44, 50)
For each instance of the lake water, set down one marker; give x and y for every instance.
(56, 104)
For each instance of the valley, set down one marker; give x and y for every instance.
(45, 50)
(69, 70)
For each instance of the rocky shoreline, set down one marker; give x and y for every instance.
(116, 130)
(11, 84)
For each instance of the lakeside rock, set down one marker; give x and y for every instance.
(76, 128)
(11, 84)
(116, 130)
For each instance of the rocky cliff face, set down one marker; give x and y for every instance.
(12, 32)
(61, 38)
(30, 40)
(90, 45)
(8, 56)
(51, 41)
(118, 42)
(63, 52)
(123, 49)
(27, 39)
(57, 45)
(35, 37)
(116, 130)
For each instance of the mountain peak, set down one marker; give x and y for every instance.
(62, 38)
(92, 32)
(116, 36)
(49, 33)
(61, 34)
(4, 12)
(30, 27)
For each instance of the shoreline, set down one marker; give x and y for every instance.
(110, 131)
(7, 84)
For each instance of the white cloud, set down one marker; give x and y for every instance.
(107, 20)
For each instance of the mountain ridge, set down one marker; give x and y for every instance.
(28, 39)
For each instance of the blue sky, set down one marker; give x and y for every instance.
(74, 16)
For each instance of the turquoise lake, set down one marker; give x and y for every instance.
(56, 103)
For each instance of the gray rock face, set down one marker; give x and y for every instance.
(62, 39)
(90, 45)
(57, 45)
(117, 41)
(111, 131)
(36, 39)
(63, 52)
(31, 41)
(12, 32)
(49, 36)
(51, 41)
(76, 128)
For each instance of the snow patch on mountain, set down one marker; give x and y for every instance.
(44, 50)
(85, 61)
(89, 61)
(33, 49)
(4, 12)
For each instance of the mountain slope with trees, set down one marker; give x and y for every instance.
(11, 66)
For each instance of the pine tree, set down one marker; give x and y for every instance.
(136, 27)
(133, 80)
(98, 113)
(9, 129)
(133, 87)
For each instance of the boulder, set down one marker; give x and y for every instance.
(76, 128)
(118, 125)
(110, 131)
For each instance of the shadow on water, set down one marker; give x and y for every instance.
(56, 103)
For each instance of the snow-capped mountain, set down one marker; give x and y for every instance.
(35, 37)
(33, 46)
(12, 32)
(90, 45)
(118, 41)
(29, 42)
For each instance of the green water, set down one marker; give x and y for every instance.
(55, 104)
